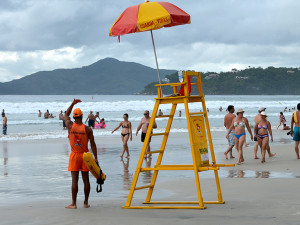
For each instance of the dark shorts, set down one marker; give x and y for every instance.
(143, 137)
(64, 124)
(91, 123)
(4, 130)
(255, 139)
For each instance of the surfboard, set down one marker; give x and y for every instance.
(92, 166)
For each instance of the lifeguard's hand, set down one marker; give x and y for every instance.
(251, 137)
(227, 136)
(272, 139)
(75, 101)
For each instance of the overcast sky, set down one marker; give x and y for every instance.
(224, 34)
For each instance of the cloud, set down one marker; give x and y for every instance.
(50, 34)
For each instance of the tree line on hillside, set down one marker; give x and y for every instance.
(250, 81)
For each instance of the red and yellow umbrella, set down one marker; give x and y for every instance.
(149, 16)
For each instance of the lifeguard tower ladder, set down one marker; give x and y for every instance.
(196, 122)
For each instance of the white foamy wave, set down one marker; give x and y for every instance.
(64, 134)
(133, 105)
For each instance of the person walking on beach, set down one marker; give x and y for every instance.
(125, 134)
(4, 123)
(227, 123)
(79, 135)
(261, 131)
(238, 124)
(144, 125)
(91, 119)
(282, 120)
(296, 132)
(46, 114)
(257, 118)
(40, 113)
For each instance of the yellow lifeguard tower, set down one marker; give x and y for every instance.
(199, 132)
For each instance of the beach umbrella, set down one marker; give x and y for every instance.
(149, 16)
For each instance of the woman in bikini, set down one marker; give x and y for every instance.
(125, 134)
(262, 130)
(238, 124)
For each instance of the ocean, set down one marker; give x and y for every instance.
(24, 124)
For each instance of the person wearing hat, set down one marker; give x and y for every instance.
(262, 130)
(257, 118)
(238, 124)
(79, 135)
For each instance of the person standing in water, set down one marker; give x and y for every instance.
(125, 134)
(238, 124)
(4, 123)
(79, 135)
(91, 119)
(282, 120)
(46, 114)
(261, 131)
(40, 113)
(296, 132)
(227, 123)
(61, 115)
(144, 125)
(160, 113)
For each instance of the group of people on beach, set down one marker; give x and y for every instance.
(236, 132)
(126, 132)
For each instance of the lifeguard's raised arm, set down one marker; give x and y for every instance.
(68, 112)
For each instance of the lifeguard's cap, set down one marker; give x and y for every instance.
(77, 112)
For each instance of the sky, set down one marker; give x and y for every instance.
(39, 35)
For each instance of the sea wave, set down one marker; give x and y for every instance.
(97, 133)
(133, 105)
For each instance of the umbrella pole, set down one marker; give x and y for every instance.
(155, 57)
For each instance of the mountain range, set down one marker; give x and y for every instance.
(108, 76)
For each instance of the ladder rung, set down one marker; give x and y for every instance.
(158, 134)
(153, 152)
(163, 116)
(197, 113)
(143, 187)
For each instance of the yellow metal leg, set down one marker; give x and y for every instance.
(160, 156)
(186, 106)
(140, 162)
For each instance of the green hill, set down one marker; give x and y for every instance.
(107, 76)
(251, 81)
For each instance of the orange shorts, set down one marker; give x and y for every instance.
(76, 162)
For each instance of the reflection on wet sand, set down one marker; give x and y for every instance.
(5, 159)
(126, 175)
(147, 176)
(248, 174)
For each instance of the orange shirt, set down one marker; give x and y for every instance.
(78, 138)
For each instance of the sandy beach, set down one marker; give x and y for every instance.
(35, 185)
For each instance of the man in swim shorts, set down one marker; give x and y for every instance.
(4, 126)
(91, 119)
(296, 132)
(144, 125)
(79, 135)
(227, 123)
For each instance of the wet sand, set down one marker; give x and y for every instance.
(248, 201)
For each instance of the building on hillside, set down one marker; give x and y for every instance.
(290, 71)
(212, 75)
